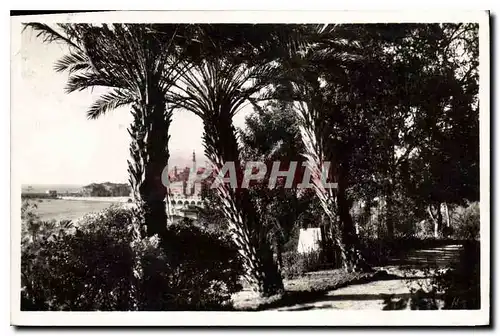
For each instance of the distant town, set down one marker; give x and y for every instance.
(106, 189)
(184, 198)
(178, 188)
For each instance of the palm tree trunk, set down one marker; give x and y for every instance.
(333, 202)
(149, 152)
(261, 271)
(342, 228)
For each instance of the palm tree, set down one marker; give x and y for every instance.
(319, 149)
(215, 89)
(138, 64)
(315, 78)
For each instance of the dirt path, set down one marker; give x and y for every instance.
(370, 296)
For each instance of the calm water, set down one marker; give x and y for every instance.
(60, 188)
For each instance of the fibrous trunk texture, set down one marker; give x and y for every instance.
(246, 229)
(149, 157)
(333, 200)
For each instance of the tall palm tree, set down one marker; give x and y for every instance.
(316, 77)
(138, 64)
(319, 149)
(215, 89)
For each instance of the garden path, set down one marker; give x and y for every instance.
(370, 296)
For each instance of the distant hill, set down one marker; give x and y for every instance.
(106, 189)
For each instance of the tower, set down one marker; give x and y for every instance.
(193, 167)
(194, 173)
(190, 178)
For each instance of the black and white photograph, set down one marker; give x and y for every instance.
(327, 168)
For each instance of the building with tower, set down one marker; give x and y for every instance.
(184, 191)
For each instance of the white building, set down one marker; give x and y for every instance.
(184, 199)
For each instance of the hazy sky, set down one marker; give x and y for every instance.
(59, 144)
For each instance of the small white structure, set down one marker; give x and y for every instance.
(309, 240)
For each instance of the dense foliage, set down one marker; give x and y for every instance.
(106, 189)
(393, 107)
(296, 264)
(103, 264)
(466, 222)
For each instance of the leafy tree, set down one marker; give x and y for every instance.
(271, 135)
(447, 122)
(320, 80)
(381, 124)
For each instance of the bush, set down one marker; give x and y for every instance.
(467, 222)
(381, 251)
(293, 240)
(204, 269)
(105, 263)
(88, 268)
(296, 264)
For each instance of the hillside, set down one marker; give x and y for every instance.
(106, 189)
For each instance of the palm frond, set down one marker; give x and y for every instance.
(73, 62)
(48, 34)
(66, 224)
(109, 101)
(80, 82)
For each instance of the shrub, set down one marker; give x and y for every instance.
(88, 268)
(106, 263)
(467, 222)
(204, 269)
(296, 264)
(380, 251)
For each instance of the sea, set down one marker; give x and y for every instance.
(42, 188)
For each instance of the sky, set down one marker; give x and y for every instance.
(55, 143)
